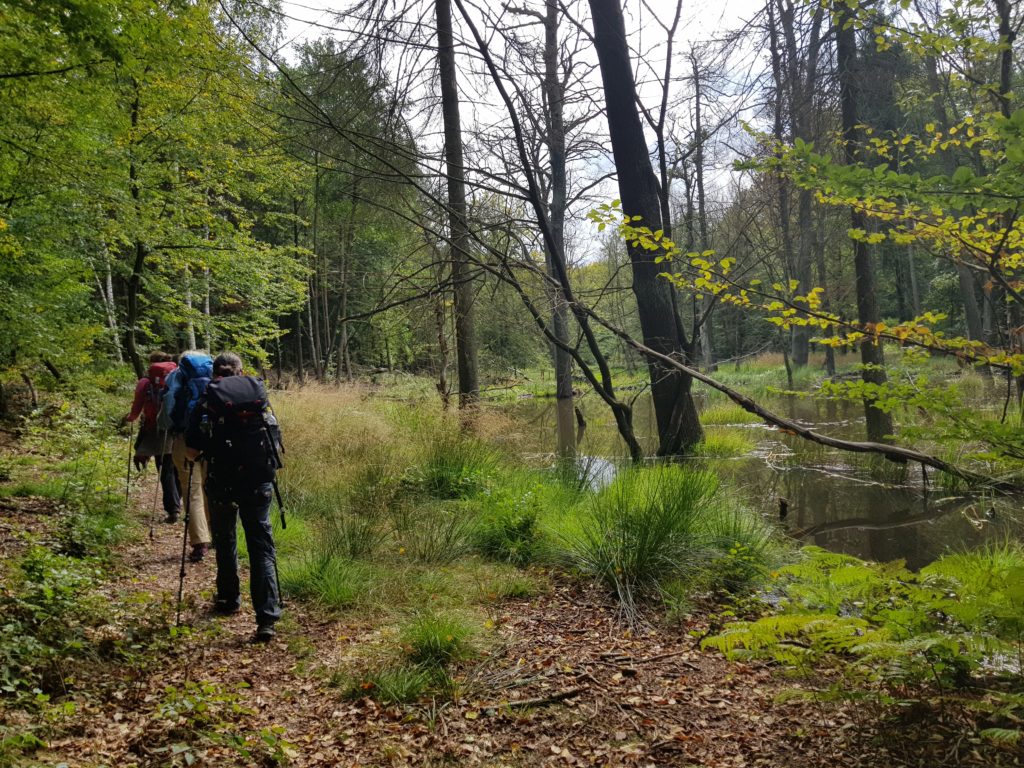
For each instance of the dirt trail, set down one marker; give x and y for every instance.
(602, 695)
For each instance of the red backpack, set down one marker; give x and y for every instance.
(155, 389)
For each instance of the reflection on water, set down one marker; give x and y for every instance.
(870, 508)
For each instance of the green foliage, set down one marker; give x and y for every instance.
(435, 639)
(47, 611)
(391, 684)
(435, 533)
(641, 529)
(455, 468)
(725, 443)
(332, 581)
(899, 634)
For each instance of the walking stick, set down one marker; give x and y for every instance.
(184, 542)
(156, 495)
(128, 474)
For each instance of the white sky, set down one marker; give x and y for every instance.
(311, 19)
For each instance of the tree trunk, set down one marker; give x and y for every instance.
(678, 426)
(879, 423)
(139, 263)
(458, 228)
(555, 98)
(190, 324)
(707, 306)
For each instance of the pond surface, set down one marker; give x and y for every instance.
(863, 506)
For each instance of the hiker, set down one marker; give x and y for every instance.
(235, 433)
(184, 388)
(154, 442)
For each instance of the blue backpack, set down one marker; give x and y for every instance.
(194, 372)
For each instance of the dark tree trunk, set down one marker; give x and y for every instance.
(678, 426)
(554, 98)
(879, 423)
(139, 263)
(458, 229)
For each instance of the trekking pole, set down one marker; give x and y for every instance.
(280, 504)
(128, 474)
(184, 542)
(156, 495)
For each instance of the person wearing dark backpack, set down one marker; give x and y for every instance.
(183, 390)
(154, 442)
(233, 432)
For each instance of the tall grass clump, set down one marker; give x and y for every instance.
(725, 443)
(454, 468)
(641, 530)
(437, 533)
(741, 548)
(333, 582)
(435, 639)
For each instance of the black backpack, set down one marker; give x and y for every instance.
(241, 449)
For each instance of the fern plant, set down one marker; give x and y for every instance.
(901, 635)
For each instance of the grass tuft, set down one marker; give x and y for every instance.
(641, 529)
(436, 639)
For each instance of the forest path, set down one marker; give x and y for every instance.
(603, 695)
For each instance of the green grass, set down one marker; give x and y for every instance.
(332, 582)
(436, 639)
(726, 443)
(640, 530)
(727, 412)
(392, 684)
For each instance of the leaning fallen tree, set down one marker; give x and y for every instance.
(896, 453)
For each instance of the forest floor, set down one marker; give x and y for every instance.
(563, 682)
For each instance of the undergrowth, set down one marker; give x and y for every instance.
(952, 633)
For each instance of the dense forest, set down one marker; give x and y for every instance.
(602, 307)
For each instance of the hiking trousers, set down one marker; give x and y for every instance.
(252, 506)
(169, 484)
(194, 496)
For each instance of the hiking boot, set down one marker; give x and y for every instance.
(172, 518)
(264, 633)
(198, 553)
(226, 607)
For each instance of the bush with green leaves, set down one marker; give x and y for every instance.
(46, 611)
(899, 634)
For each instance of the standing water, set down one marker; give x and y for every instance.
(852, 503)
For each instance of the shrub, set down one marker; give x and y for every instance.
(436, 639)
(509, 537)
(641, 529)
(898, 635)
(742, 547)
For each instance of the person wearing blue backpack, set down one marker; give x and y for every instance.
(185, 386)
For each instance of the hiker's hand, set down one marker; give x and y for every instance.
(141, 462)
(124, 420)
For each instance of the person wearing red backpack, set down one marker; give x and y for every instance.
(233, 432)
(154, 442)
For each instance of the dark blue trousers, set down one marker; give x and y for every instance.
(169, 484)
(252, 506)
